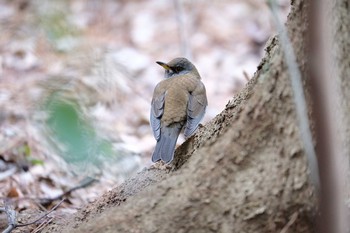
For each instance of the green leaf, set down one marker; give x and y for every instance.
(34, 161)
(78, 143)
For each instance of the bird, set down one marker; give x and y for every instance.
(179, 101)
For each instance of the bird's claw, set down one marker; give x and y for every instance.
(160, 165)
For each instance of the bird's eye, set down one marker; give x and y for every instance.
(178, 69)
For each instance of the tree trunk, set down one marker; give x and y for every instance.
(245, 171)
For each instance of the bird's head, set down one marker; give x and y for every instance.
(178, 66)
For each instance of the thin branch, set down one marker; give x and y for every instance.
(35, 221)
(48, 200)
(88, 181)
(11, 217)
(42, 225)
(184, 41)
(11, 214)
(291, 221)
(8, 229)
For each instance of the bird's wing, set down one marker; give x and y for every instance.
(157, 109)
(197, 104)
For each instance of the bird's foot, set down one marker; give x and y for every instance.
(160, 165)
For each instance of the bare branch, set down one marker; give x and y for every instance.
(11, 217)
(35, 221)
(88, 181)
(45, 201)
(184, 41)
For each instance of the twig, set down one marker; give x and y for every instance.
(35, 221)
(11, 214)
(184, 42)
(42, 225)
(9, 229)
(88, 181)
(291, 221)
(44, 201)
(246, 76)
(299, 98)
(11, 217)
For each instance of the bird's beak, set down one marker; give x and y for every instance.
(164, 65)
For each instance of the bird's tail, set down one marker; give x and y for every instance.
(166, 145)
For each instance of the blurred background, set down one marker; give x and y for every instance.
(77, 76)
